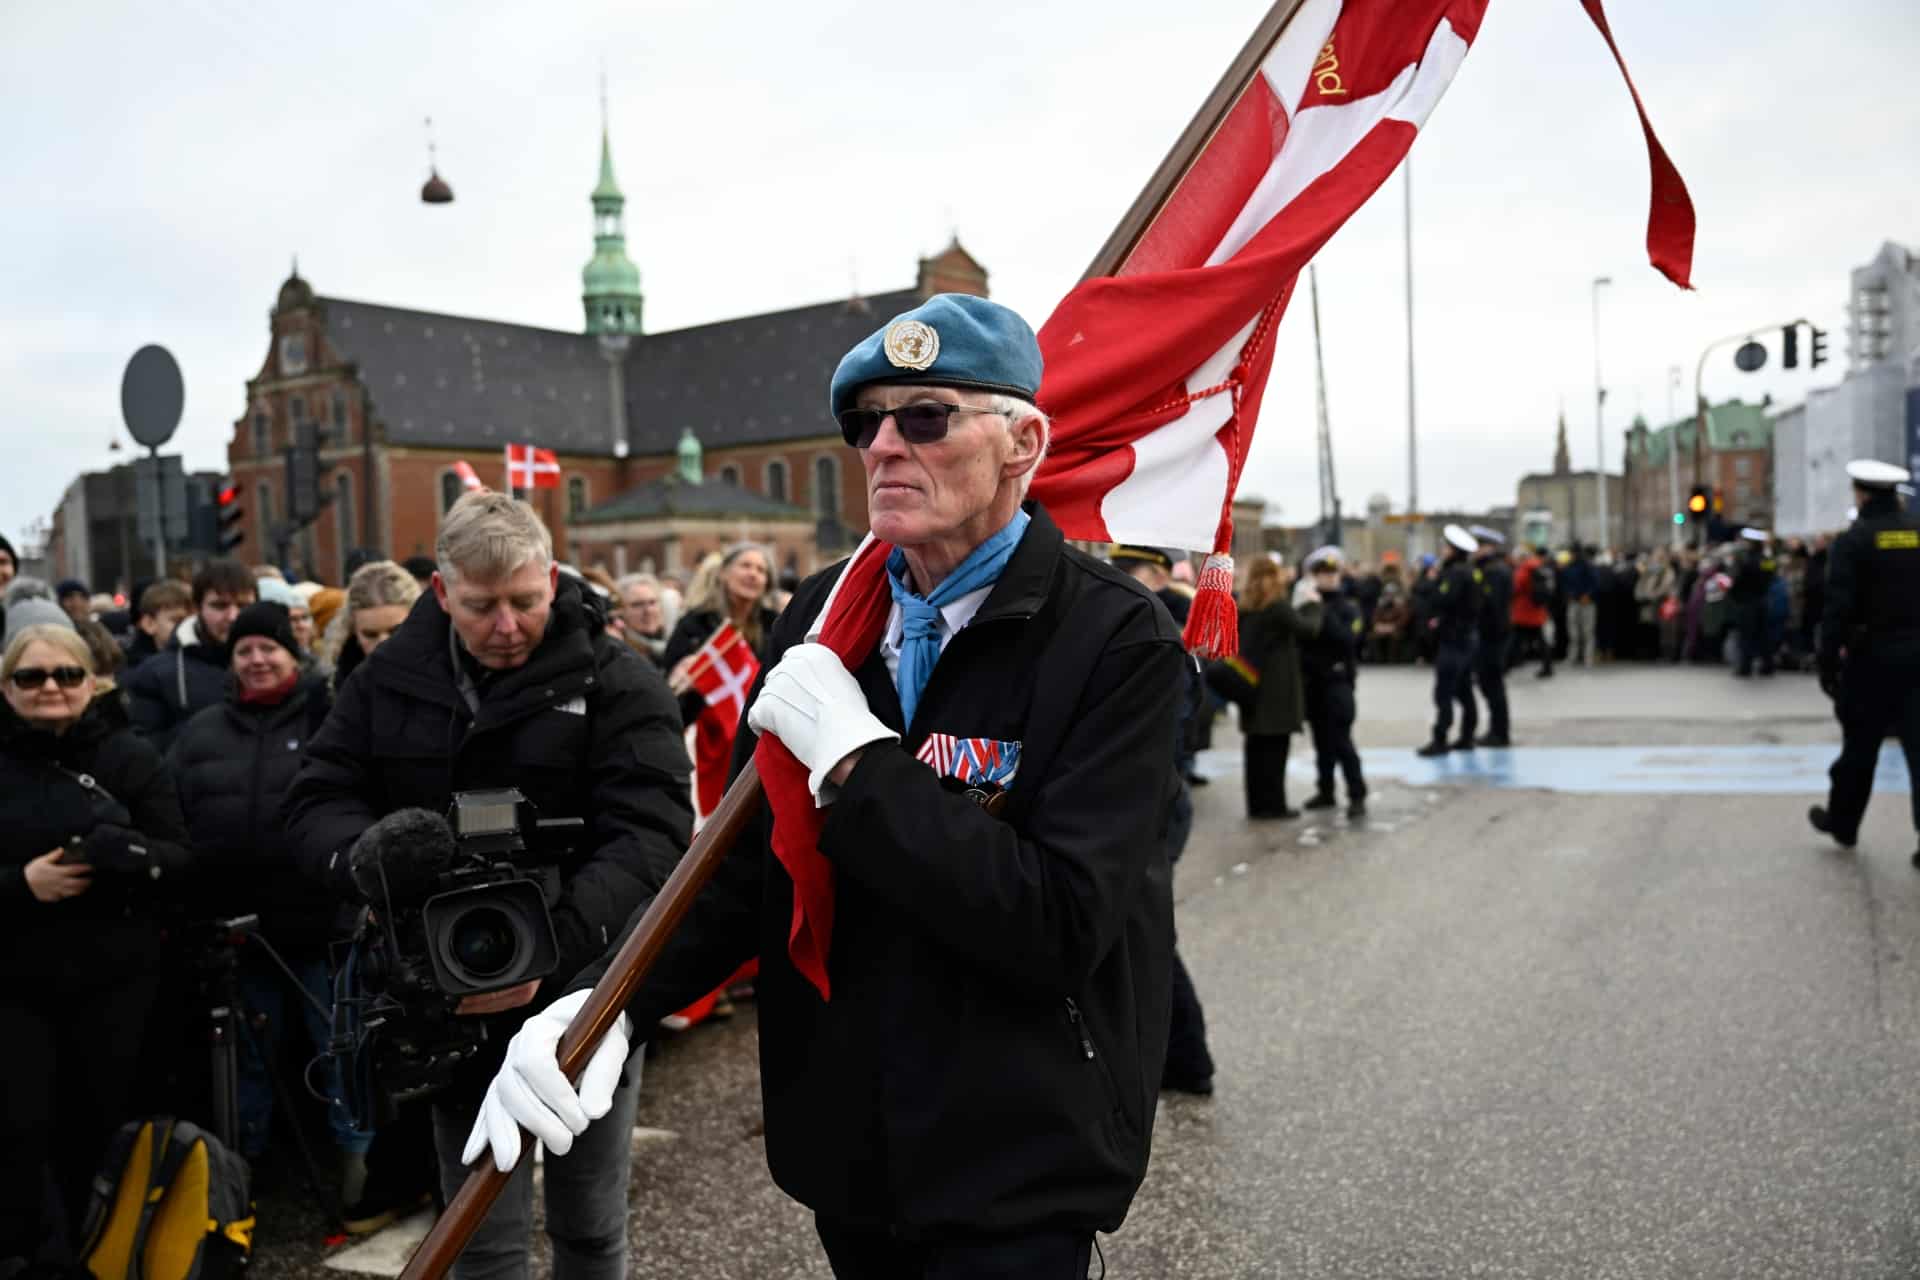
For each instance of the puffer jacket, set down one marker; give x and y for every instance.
(233, 765)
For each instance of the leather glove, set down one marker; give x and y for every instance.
(530, 1091)
(119, 850)
(814, 706)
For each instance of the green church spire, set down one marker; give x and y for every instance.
(610, 282)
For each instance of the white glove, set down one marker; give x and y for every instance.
(531, 1091)
(1305, 592)
(814, 706)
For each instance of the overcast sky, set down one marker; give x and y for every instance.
(164, 163)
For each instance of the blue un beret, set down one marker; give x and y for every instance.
(950, 340)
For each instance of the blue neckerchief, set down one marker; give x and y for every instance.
(920, 616)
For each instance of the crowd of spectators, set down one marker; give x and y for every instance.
(1667, 605)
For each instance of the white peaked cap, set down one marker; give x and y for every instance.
(1869, 473)
(1460, 538)
(1754, 535)
(1328, 554)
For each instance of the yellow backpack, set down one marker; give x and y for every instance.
(170, 1202)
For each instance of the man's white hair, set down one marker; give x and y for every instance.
(1016, 411)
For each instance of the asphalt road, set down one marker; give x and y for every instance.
(1508, 1025)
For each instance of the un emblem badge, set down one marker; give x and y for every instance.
(912, 345)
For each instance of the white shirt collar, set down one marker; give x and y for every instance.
(954, 615)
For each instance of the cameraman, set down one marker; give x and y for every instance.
(504, 676)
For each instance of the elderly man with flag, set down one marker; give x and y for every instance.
(961, 896)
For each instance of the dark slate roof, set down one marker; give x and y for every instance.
(670, 495)
(754, 380)
(454, 381)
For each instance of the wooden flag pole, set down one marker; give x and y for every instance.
(1213, 113)
(596, 1017)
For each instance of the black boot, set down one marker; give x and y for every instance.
(1438, 747)
(1465, 743)
(1321, 800)
(1357, 807)
(1822, 821)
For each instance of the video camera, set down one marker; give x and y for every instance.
(453, 923)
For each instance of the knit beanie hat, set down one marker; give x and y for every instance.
(264, 618)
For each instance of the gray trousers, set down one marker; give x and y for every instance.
(586, 1196)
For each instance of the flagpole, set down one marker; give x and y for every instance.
(1213, 113)
(1413, 453)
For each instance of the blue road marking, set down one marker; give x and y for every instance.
(1675, 770)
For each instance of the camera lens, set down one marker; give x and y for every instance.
(482, 942)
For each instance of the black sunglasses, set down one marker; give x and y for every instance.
(918, 423)
(34, 677)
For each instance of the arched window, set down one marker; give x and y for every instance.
(450, 489)
(576, 495)
(730, 474)
(826, 485)
(344, 525)
(262, 435)
(777, 480)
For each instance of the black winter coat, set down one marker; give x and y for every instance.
(1456, 604)
(1331, 655)
(114, 927)
(991, 1055)
(173, 686)
(583, 728)
(233, 765)
(1270, 640)
(1496, 597)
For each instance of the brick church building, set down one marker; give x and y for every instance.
(670, 444)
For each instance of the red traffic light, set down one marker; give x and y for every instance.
(229, 494)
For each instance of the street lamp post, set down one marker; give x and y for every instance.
(1599, 415)
(1673, 454)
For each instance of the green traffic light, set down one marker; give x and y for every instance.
(1679, 517)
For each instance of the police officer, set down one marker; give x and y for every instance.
(1496, 627)
(1752, 581)
(1873, 617)
(1455, 627)
(1329, 663)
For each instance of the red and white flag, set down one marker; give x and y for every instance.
(1154, 375)
(723, 670)
(531, 467)
(469, 479)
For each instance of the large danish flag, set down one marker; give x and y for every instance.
(531, 467)
(723, 671)
(1154, 375)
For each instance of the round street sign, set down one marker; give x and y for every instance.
(1750, 356)
(151, 395)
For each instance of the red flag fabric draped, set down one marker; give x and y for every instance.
(850, 624)
(1154, 375)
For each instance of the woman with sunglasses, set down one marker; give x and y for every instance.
(89, 828)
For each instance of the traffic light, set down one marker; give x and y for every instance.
(1679, 517)
(1817, 349)
(231, 513)
(1790, 347)
(1699, 501)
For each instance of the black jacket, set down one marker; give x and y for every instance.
(1752, 577)
(1456, 604)
(232, 765)
(1872, 605)
(114, 926)
(174, 685)
(584, 729)
(1331, 655)
(992, 1052)
(1496, 597)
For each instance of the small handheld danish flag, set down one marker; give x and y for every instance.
(723, 670)
(531, 467)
